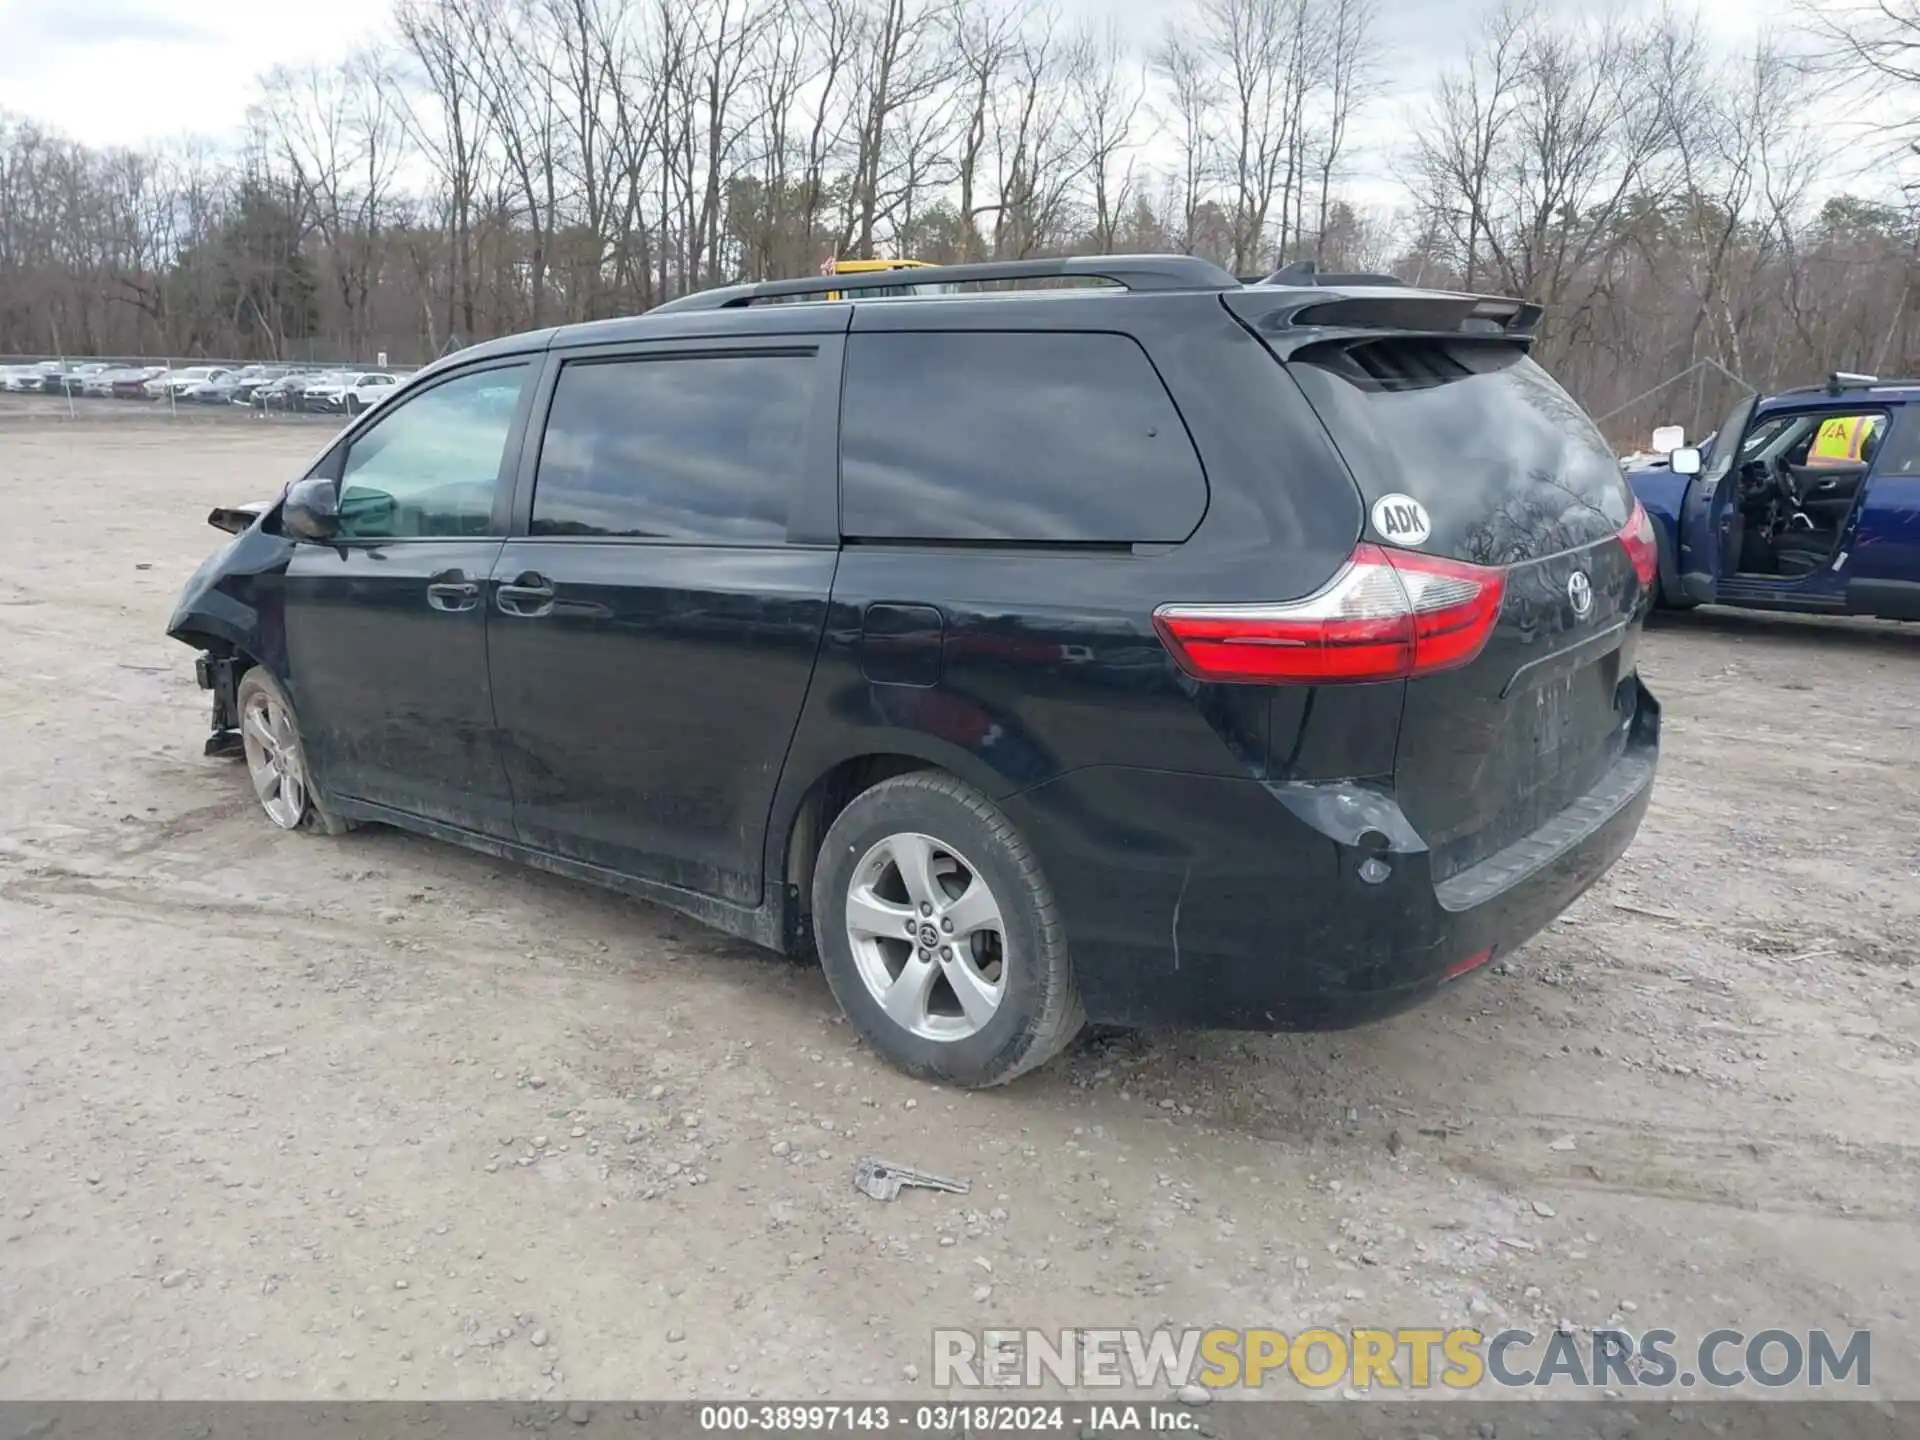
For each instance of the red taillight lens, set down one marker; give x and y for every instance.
(1467, 966)
(1386, 615)
(1641, 546)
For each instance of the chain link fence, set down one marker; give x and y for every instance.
(1695, 400)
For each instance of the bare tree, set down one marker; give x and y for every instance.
(1190, 100)
(1252, 45)
(513, 162)
(1108, 96)
(1460, 133)
(903, 68)
(1870, 52)
(451, 128)
(1351, 78)
(985, 40)
(1034, 151)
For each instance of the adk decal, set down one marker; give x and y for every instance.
(1401, 519)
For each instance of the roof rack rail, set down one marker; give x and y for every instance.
(1129, 272)
(1304, 272)
(1841, 381)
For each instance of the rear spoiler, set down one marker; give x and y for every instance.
(1290, 319)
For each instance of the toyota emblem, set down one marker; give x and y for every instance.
(1580, 593)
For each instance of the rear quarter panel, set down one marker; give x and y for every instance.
(1048, 659)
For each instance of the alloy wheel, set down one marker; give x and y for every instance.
(273, 760)
(928, 937)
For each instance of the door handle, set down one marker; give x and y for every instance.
(529, 596)
(451, 590)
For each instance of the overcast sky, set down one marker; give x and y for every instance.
(134, 71)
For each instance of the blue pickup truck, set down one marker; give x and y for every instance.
(1807, 500)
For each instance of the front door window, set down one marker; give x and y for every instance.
(431, 465)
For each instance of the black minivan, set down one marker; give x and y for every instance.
(1136, 645)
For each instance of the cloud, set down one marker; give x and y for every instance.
(100, 22)
(40, 38)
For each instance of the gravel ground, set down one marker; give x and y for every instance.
(288, 1117)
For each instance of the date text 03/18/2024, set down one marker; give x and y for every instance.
(979, 1418)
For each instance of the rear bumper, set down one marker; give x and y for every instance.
(1232, 904)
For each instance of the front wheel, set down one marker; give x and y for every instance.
(276, 759)
(939, 935)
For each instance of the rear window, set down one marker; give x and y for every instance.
(1471, 443)
(1037, 437)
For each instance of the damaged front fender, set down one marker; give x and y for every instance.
(231, 608)
(232, 603)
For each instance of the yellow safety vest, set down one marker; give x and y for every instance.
(1841, 439)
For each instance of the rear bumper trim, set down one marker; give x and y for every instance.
(1532, 853)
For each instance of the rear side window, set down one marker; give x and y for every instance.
(1899, 454)
(1474, 439)
(1040, 437)
(702, 449)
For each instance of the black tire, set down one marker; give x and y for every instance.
(1039, 1011)
(316, 813)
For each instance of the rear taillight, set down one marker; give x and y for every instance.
(1469, 965)
(1386, 615)
(1641, 546)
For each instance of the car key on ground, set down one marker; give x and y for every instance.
(883, 1181)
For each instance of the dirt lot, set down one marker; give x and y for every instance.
(291, 1117)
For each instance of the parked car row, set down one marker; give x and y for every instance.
(263, 387)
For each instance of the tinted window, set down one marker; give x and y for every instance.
(1034, 436)
(430, 464)
(1506, 464)
(702, 448)
(1900, 455)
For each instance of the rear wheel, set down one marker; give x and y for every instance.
(939, 935)
(276, 760)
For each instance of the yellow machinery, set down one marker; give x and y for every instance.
(837, 266)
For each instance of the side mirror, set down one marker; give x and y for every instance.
(311, 510)
(1685, 460)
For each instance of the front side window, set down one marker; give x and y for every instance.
(699, 449)
(431, 464)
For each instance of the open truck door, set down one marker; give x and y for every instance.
(1709, 516)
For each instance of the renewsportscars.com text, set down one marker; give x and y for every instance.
(1402, 1359)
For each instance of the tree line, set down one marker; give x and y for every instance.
(505, 164)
